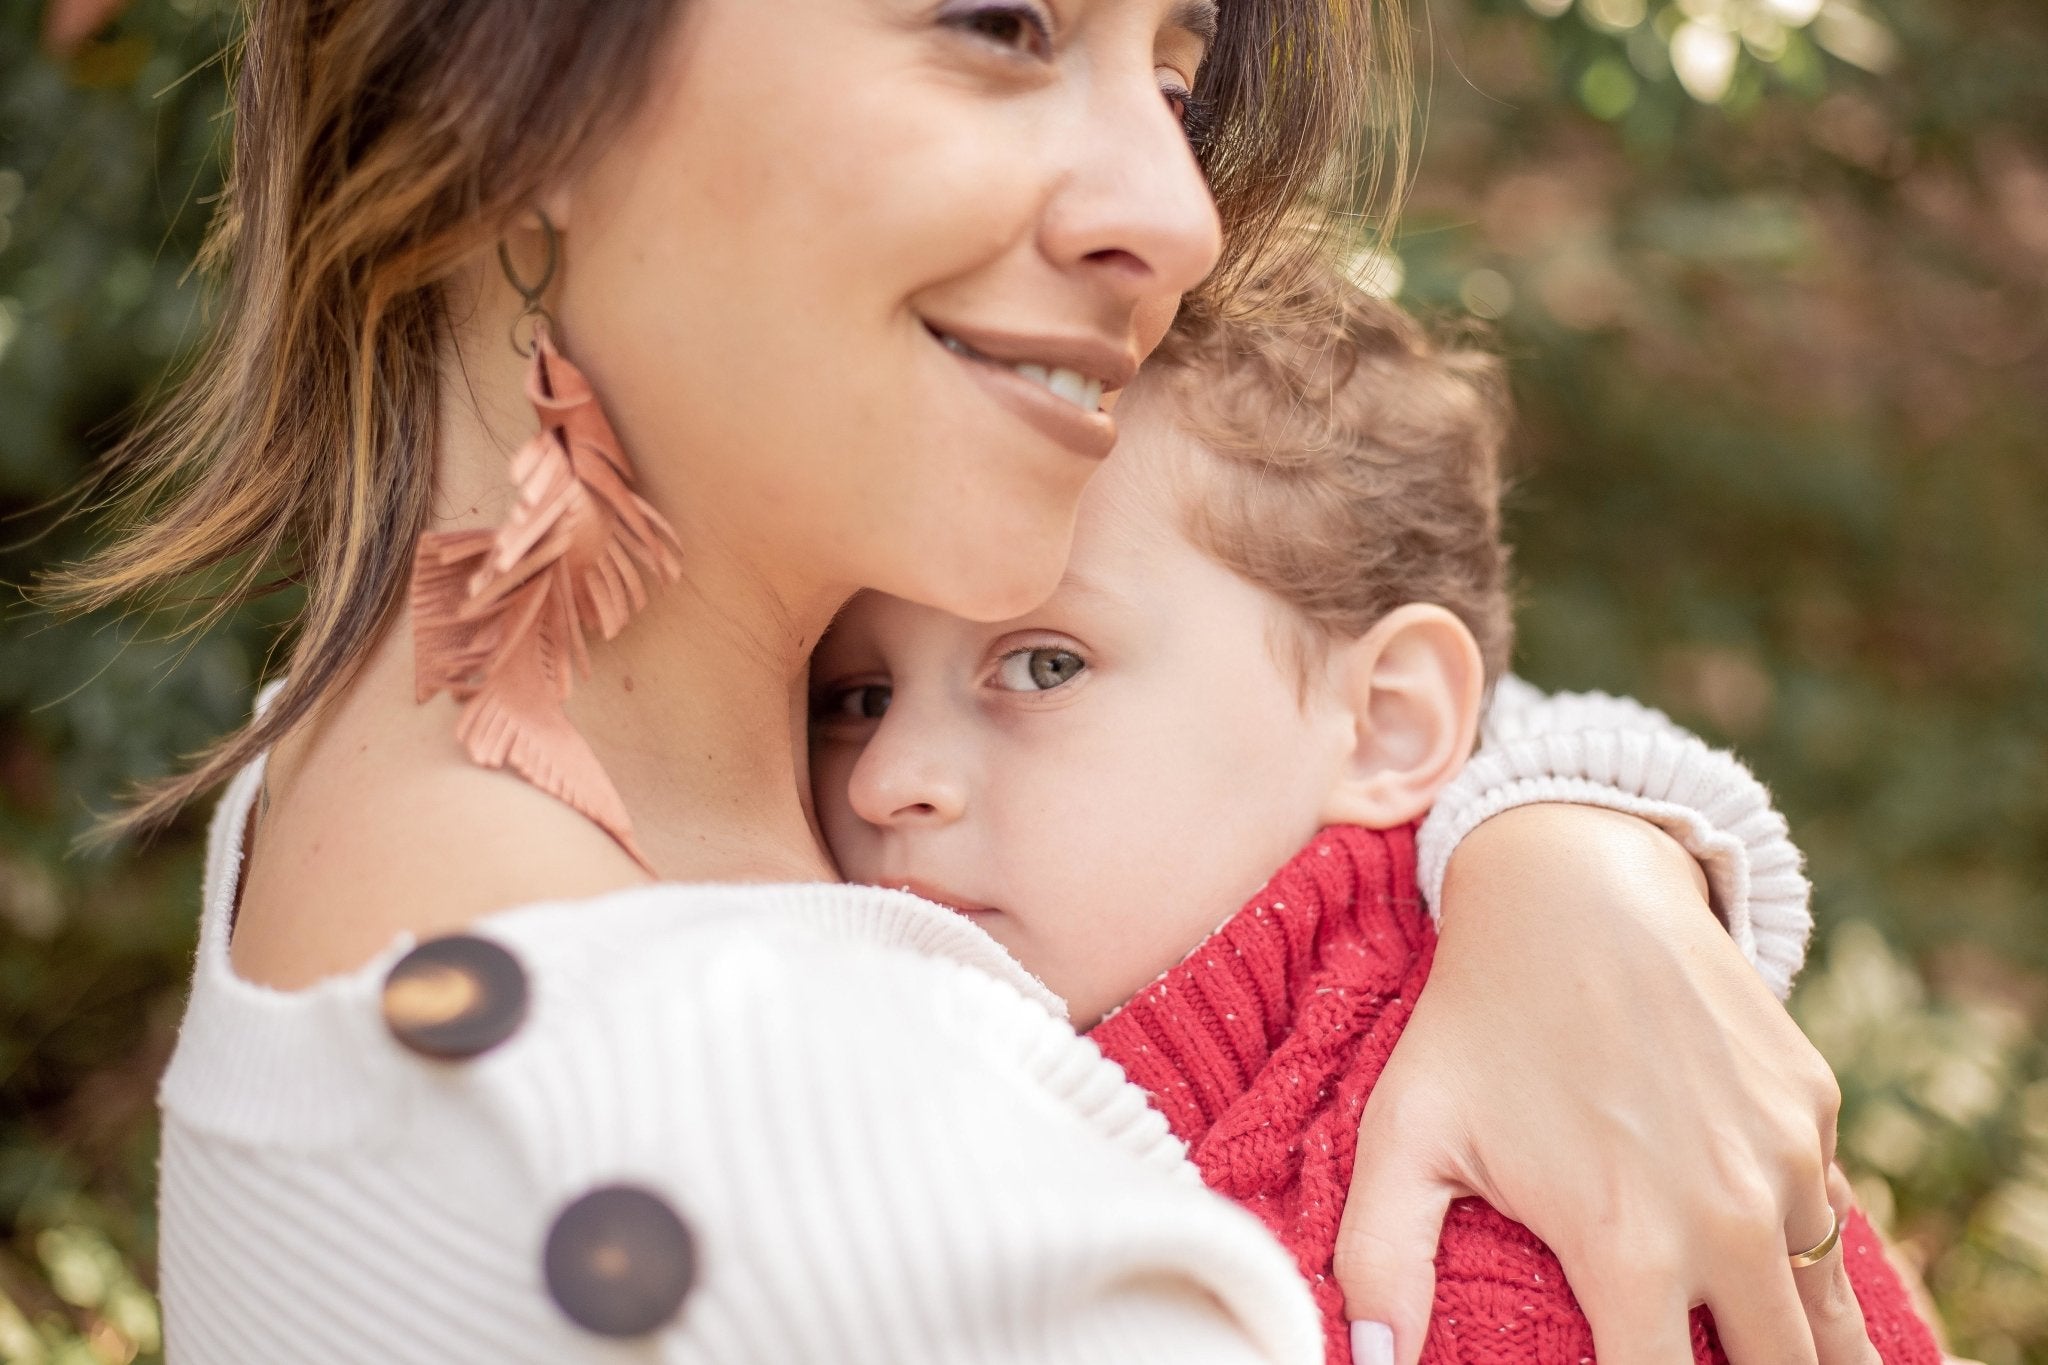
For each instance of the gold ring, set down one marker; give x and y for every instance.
(1819, 1251)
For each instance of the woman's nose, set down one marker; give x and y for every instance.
(902, 778)
(1134, 210)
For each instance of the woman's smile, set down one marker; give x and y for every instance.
(1054, 383)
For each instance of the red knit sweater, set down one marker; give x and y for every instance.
(1260, 1050)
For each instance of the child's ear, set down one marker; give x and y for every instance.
(1411, 689)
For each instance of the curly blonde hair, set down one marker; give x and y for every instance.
(1356, 461)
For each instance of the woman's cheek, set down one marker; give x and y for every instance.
(1153, 320)
(935, 178)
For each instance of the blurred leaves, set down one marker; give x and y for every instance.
(106, 165)
(1773, 277)
(1945, 1125)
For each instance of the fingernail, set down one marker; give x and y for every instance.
(1372, 1343)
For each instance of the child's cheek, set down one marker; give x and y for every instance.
(1095, 844)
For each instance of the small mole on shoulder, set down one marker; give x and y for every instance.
(627, 683)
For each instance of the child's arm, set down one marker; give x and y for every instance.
(1593, 749)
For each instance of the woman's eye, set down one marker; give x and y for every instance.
(866, 702)
(1019, 28)
(1197, 114)
(1037, 670)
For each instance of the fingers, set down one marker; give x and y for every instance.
(1386, 1244)
(1633, 1302)
(1763, 1311)
(1818, 1224)
(1841, 1194)
(1759, 1311)
(1835, 1318)
(1840, 1336)
(1767, 1310)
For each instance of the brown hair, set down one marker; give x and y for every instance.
(1352, 464)
(378, 144)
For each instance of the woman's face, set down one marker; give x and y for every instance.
(859, 276)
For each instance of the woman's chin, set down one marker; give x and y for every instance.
(994, 587)
(987, 573)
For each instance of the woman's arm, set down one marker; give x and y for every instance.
(899, 1158)
(1593, 1058)
(1593, 1055)
(874, 1151)
(1596, 750)
(892, 1156)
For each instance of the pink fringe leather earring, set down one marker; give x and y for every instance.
(500, 615)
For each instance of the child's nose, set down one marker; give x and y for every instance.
(901, 779)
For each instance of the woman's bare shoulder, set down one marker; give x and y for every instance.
(377, 825)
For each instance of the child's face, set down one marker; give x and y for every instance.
(1099, 784)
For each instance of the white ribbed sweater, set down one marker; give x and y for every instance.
(889, 1145)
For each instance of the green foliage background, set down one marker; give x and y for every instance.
(1778, 316)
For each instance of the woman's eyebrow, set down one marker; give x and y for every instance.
(1197, 17)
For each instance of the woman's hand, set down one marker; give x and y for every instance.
(1593, 1057)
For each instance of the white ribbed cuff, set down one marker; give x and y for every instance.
(1594, 750)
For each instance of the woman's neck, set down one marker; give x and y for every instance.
(380, 824)
(698, 709)
(698, 712)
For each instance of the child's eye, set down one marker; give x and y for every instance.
(1019, 28)
(866, 702)
(1037, 670)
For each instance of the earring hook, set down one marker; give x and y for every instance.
(532, 293)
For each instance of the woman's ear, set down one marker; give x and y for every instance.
(1411, 689)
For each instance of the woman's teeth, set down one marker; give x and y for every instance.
(1085, 394)
(1082, 392)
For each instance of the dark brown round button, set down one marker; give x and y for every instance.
(455, 997)
(619, 1262)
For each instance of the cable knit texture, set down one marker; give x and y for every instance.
(1596, 750)
(889, 1144)
(1260, 1050)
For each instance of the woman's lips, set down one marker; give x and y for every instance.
(1060, 402)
